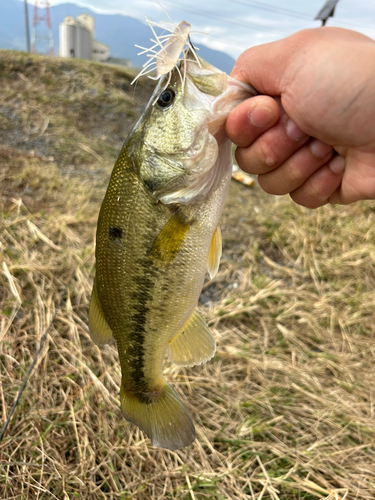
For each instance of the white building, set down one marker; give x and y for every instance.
(77, 39)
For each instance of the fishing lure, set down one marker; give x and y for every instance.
(170, 46)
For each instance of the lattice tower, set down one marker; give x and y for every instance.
(42, 29)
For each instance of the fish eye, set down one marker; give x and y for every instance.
(166, 98)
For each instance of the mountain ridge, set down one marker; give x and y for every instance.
(120, 32)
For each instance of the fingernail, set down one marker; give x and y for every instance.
(260, 117)
(337, 165)
(319, 148)
(293, 131)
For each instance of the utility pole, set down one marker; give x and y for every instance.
(326, 11)
(27, 27)
(38, 21)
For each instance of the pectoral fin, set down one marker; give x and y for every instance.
(214, 255)
(194, 344)
(170, 239)
(100, 331)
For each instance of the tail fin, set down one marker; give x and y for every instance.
(165, 420)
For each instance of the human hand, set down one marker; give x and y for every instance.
(323, 81)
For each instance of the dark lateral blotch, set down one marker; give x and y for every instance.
(115, 233)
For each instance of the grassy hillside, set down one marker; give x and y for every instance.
(286, 408)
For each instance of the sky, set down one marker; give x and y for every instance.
(234, 25)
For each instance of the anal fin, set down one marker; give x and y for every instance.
(194, 344)
(214, 255)
(100, 332)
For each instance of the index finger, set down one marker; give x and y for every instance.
(250, 119)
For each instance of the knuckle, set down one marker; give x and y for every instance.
(266, 156)
(296, 174)
(313, 192)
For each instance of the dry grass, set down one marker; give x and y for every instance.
(285, 410)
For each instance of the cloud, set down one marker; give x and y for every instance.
(233, 27)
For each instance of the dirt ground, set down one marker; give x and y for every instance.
(285, 409)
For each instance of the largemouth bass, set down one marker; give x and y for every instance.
(158, 233)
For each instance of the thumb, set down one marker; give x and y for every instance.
(265, 66)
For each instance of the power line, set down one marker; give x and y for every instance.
(262, 6)
(296, 14)
(273, 8)
(351, 26)
(209, 15)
